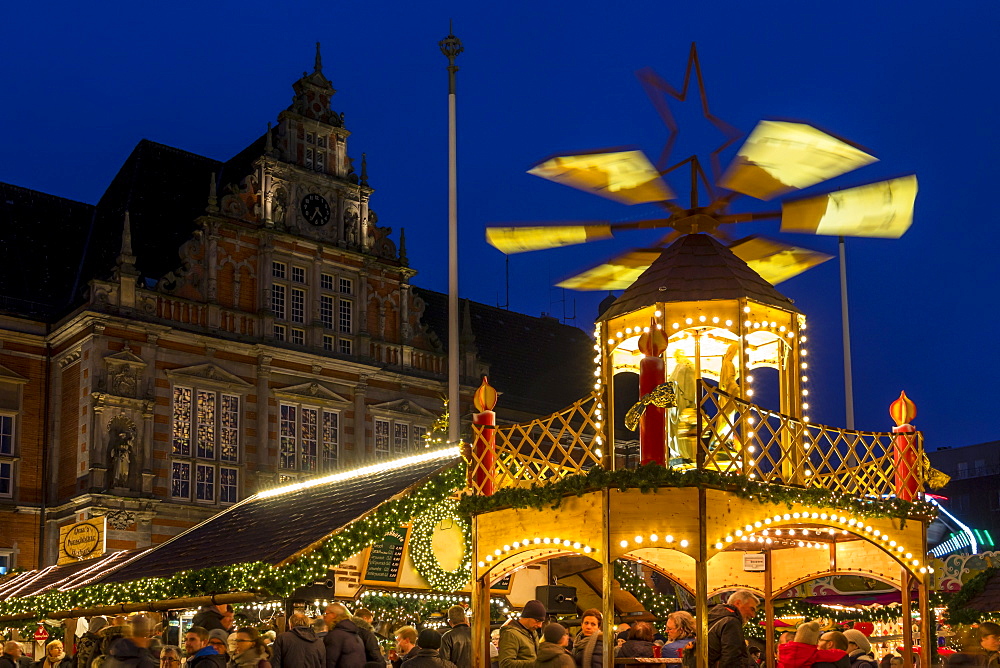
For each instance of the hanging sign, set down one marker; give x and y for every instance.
(754, 562)
(41, 635)
(385, 558)
(502, 585)
(83, 540)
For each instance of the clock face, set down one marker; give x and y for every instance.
(315, 209)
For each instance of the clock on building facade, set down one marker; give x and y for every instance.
(315, 209)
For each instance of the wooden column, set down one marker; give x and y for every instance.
(768, 609)
(907, 621)
(607, 581)
(701, 582)
(928, 632)
(480, 606)
(608, 399)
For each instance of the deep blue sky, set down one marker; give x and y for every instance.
(911, 81)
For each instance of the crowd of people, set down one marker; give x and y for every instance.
(340, 639)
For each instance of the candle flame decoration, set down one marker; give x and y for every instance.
(902, 410)
(485, 397)
(653, 342)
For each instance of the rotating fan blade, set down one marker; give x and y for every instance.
(624, 175)
(618, 273)
(779, 157)
(776, 261)
(883, 209)
(538, 237)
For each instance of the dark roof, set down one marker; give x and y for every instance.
(50, 231)
(539, 364)
(64, 577)
(696, 267)
(164, 189)
(272, 526)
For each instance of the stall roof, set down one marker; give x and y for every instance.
(276, 524)
(64, 577)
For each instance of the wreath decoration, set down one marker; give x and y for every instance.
(423, 554)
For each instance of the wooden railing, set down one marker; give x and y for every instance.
(560, 444)
(729, 435)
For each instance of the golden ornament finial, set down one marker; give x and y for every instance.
(485, 397)
(902, 410)
(653, 342)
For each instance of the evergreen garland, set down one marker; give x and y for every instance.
(256, 576)
(957, 612)
(650, 477)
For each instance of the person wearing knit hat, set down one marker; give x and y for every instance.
(552, 652)
(859, 649)
(804, 653)
(519, 638)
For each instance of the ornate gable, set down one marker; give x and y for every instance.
(8, 376)
(402, 407)
(311, 392)
(208, 375)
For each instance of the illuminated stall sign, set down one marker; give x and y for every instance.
(385, 558)
(83, 540)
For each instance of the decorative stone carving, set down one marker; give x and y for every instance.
(123, 373)
(120, 519)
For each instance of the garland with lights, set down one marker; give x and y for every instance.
(256, 576)
(649, 477)
(657, 604)
(422, 551)
(957, 612)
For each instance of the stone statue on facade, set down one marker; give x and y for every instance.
(121, 436)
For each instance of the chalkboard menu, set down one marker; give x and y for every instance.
(503, 584)
(385, 558)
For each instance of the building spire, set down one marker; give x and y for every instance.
(364, 169)
(318, 67)
(268, 143)
(125, 264)
(213, 200)
(402, 247)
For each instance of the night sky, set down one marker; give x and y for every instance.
(913, 82)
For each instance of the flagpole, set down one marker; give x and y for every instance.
(451, 46)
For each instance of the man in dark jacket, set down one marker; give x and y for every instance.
(406, 645)
(199, 653)
(298, 647)
(344, 647)
(727, 647)
(519, 640)
(212, 617)
(11, 657)
(367, 634)
(132, 651)
(88, 645)
(427, 655)
(456, 644)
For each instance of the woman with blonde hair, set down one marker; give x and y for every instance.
(54, 657)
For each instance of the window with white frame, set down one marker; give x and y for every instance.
(298, 337)
(308, 438)
(6, 479)
(278, 301)
(346, 286)
(394, 438)
(298, 275)
(326, 281)
(298, 305)
(345, 347)
(280, 333)
(228, 484)
(328, 343)
(278, 269)
(205, 435)
(345, 316)
(326, 311)
(6, 561)
(6, 434)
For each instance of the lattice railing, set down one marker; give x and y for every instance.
(737, 436)
(560, 444)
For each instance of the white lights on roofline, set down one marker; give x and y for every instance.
(392, 465)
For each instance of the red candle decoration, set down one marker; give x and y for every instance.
(652, 372)
(485, 399)
(902, 411)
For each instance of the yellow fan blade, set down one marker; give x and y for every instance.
(624, 176)
(618, 273)
(528, 238)
(883, 209)
(779, 157)
(776, 261)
